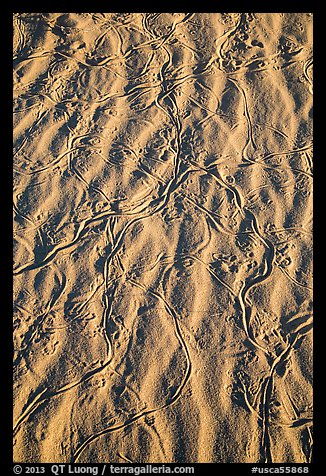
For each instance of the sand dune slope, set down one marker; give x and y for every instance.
(162, 225)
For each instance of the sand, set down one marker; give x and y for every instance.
(162, 237)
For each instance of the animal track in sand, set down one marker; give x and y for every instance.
(162, 223)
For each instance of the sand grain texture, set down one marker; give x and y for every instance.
(163, 246)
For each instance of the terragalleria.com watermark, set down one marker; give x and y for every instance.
(58, 469)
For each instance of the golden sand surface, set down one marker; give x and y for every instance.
(162, 237)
